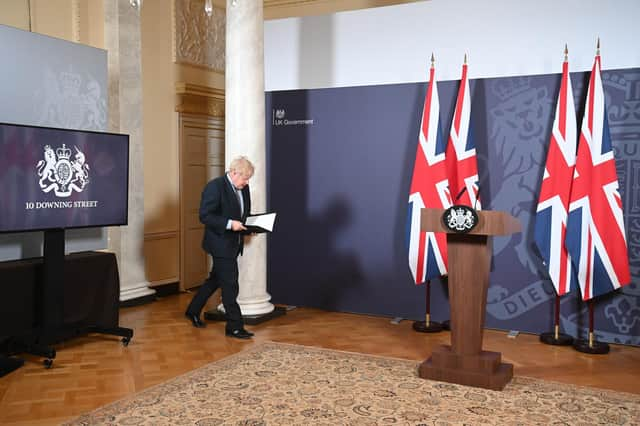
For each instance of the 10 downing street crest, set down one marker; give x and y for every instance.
(62, 174)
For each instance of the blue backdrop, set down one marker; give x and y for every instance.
(339, 170)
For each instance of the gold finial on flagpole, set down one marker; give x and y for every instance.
(598, 47)
(465, 59)
(433, 60)
(566, 52)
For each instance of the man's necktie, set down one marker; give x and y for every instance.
(240, 201)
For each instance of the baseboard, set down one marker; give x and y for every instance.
(167, 289)
(160, 291)
(143, 300)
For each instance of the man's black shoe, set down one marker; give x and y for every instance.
(240, 333)
(195, 320)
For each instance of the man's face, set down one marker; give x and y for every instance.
(239, 180)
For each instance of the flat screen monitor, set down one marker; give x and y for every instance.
(60, 179)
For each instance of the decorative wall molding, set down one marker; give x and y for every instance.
(163, 257)
(195, 99)
(198, 39)
(152, 236)
(75, 20)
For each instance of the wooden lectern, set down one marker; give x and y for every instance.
(469, 257)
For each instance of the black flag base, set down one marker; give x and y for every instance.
(427, 327)
(446, 325)
(591, 346)
(557, 339)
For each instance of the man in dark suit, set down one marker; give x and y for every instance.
(225, 205)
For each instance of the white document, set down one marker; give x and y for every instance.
(264, 221)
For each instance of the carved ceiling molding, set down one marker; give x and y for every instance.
(198, 39)
(195, 99)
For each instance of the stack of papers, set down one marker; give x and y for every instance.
(260, 223)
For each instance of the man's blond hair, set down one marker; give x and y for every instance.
(242, 165)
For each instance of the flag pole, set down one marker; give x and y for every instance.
(446, 324)
(432, 137)
(598, 215)
(591, 345)
(427, 326)
(555, 337)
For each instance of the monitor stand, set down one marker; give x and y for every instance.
(8, 364)
(52, 307)
(53, 329)
(52, 298)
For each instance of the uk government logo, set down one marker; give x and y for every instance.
(278, 118)
(62, 174)
(460, 218)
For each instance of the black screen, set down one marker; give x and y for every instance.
(57, 178)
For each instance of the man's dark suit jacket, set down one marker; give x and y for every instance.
(220, 203)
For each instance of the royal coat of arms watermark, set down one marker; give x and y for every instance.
(71, 100)
(62, 174)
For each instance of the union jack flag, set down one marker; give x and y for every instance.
(551, 217)
(429, 188)
(595, 230)
(462, 167)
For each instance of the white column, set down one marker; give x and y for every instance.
(245, 135)
(122, 40)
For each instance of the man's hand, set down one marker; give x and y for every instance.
(237, 226)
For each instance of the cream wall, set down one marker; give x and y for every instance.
(53, 17)
(161, 197)
(15, 13)
(88, 24)
(74, 20)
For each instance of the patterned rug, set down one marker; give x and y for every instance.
(282, 384)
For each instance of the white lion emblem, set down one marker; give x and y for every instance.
(59, 173)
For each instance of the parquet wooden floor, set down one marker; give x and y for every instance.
(95, 370)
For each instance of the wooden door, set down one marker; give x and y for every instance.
(201, 159)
